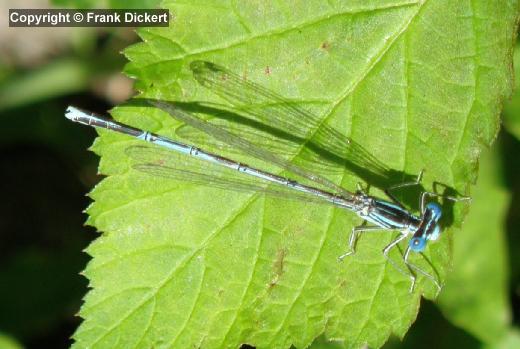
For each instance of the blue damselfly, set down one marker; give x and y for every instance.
(235, 175)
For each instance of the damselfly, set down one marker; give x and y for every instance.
(383, 214)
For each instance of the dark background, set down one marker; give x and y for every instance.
(46, 172)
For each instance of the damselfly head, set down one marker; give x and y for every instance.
(436, 214)
(429, 228)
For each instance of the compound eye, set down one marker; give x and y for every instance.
(417, 244)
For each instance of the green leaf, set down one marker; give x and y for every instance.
(418, 84)
(7, 342)
(512, 107)
(476, 296)
(511, 340)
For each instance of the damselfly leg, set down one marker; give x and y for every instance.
(413, 267)
(354, 234)
(387, 249)
(388, 191)
(424, 194)
(427, 194)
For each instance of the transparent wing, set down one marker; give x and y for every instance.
(244, 146)
(292, 126)
(282, 147)
(163, 163)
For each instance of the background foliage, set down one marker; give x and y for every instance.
(41, 148)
